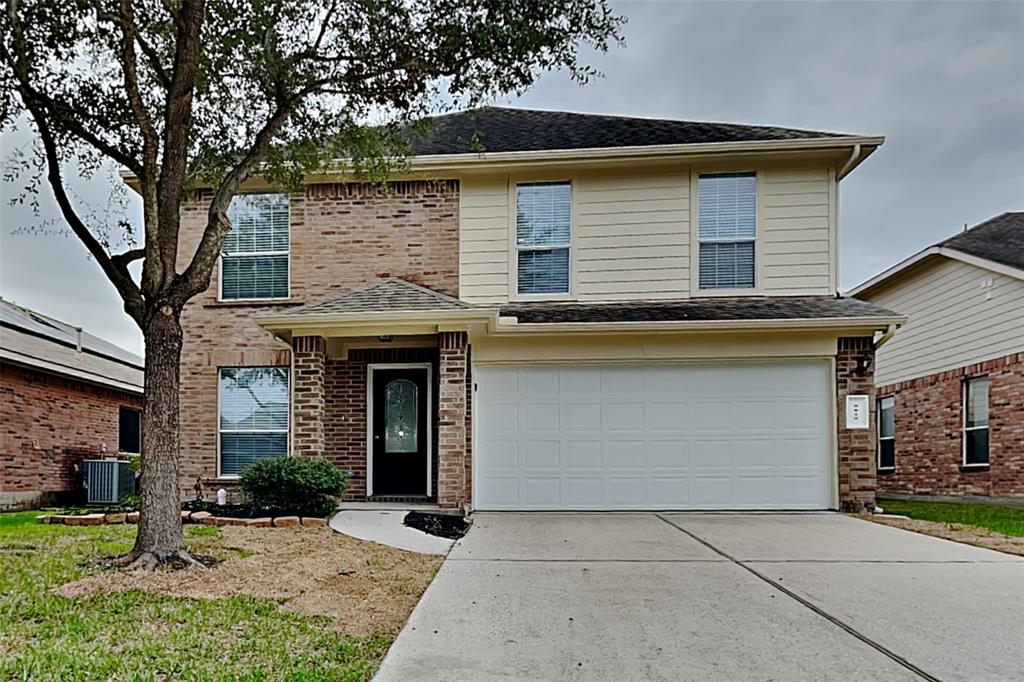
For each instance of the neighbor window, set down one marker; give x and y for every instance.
(976, 421)
(543, 237)
(129, 430)
(727, 230)
(254, 259)
(887, 433)
(253, 416)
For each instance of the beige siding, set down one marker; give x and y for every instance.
(796, 231)
(632, 236)
(958, 314)
(484, 240)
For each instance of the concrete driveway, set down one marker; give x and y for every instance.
(712, 597)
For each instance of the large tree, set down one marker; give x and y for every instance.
(180, 92)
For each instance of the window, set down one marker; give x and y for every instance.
(543, 237)
(254, 260)
(129, 430)
(976, 422)
(887, 433)
(253, 416)
(727, 232)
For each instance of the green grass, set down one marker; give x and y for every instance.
(1001, 519)
(137, 636)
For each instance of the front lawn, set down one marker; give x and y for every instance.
(1001, 519)
(268, 611)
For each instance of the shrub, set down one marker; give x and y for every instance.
(293, 485)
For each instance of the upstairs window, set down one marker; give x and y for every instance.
(727, 230)
(543, 237)
(976, 422)
(887, 433)
(253, 416)
(254, 260)
(129, 430)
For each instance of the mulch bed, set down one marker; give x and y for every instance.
(441, 525)
(235, 511)
(969, 535)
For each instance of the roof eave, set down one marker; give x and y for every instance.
(907, 264)
(506, 325)
(296, 320)
(484, 160)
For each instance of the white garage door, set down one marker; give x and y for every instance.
(697, 436)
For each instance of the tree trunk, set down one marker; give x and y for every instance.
(160, 539)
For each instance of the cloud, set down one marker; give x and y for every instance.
(944, 82)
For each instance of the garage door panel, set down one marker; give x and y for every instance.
(641, 437)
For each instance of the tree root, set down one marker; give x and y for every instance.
(151, 561)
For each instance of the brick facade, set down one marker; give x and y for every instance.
(309, 359)
(48, 425)
(343, 236)
(929, 436)
(451, 419)
(857, 447)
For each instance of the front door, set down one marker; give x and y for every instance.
(400, 431)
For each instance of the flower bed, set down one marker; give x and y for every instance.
(187, 516)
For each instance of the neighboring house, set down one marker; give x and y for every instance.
(546, 311)
(951, 381)
(65, 396)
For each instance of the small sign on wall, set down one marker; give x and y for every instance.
(857, 411)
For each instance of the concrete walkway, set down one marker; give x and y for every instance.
(712, 597)
(386, 527)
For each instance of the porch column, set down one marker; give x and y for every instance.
(451, 419)
(308, 364)
(857, 447)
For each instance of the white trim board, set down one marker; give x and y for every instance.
(952, 254)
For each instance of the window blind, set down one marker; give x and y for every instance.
(254, 261)
(543, 237)
(253, 416)
(727, 229)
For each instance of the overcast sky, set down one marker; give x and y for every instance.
(943, 81)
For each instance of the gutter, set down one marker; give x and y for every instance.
(886, 336)
(848, 166)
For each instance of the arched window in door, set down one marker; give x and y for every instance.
(401, 429)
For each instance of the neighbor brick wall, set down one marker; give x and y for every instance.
(48, 425)
(343, 236)
(857, 447)
(929, 444)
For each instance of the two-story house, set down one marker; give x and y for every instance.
(548, 311)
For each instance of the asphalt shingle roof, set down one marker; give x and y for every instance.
(499, 129)
(999, 239)
(30, 338)
(698, 309)
(390, 294)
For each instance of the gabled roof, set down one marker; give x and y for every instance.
(999, 239)
(701, 310)
(996, 244)
(501, 129)
(35, 340)
(387, 295)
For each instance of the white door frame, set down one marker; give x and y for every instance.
(369, 417)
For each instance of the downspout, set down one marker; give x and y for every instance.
(885, 337)
(854, 155)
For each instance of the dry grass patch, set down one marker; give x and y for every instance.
(970, 535)
(363, 587)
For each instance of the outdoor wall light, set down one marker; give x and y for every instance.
(863, 364)
(387, 338)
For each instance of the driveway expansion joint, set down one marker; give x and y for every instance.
(810, 605)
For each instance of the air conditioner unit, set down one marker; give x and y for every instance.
(107, 481)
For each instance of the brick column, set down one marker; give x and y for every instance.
(451, 419)
(308, 365)
(857, 456)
